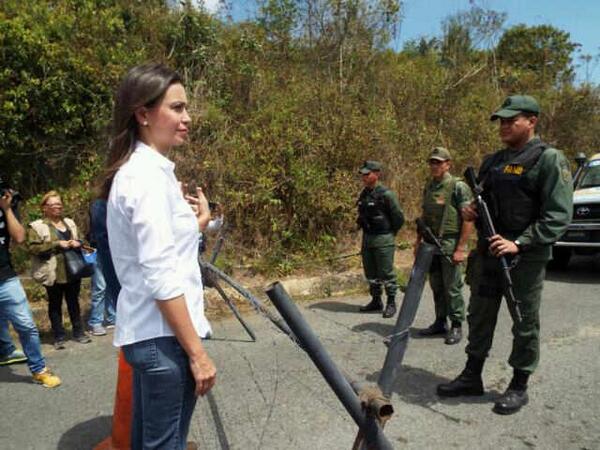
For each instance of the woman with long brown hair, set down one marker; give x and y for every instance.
(153, 235)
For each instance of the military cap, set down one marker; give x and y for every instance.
(440, 153)
(370, 166)
(516, 104)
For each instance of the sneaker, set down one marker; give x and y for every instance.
(46, 378)
(98, 330)
(14, 358)
(59, 344)
(83, 339)
(110, 326)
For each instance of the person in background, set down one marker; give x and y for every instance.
(103, 300)
(380, 217)
(443, 198)
(153, 238)
(47, 240)
(214, 225)
(14, 307)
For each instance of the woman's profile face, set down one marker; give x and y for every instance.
(167, 122)
(53, 207)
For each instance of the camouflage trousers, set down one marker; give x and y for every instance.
(485, 279)
(378, 265)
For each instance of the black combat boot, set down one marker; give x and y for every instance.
(515, 396)
(454, 334)
(390, 308)
(375, 305)
(437, 327)
(467, 383)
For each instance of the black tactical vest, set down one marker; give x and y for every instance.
(513, 199)
(373, 216)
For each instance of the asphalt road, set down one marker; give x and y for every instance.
(270, 396)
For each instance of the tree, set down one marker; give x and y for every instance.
(543, 51)
(467, 31)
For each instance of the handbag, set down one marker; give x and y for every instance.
(79, 264)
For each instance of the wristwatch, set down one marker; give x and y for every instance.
(519, 245)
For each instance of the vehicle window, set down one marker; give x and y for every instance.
(591, 176)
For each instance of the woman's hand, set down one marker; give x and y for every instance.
(74, 243)
(65, 245)
(204, 373)
(199, 205)
(203, 370)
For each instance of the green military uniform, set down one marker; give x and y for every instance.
(442, 201)
(380, 217)
(529, 192)
(532, 198)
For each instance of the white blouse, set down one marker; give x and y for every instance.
(153, 239)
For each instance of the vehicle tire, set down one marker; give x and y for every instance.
(560, 258)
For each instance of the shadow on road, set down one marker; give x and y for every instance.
(581, 270)
(384, 329)
(417, 386)
(8, 376)
(86, 434)
(336, 307)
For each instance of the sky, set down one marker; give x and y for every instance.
(581, 18)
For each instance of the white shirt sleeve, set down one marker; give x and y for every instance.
(151, 218)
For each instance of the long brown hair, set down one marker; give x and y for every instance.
(144, 85)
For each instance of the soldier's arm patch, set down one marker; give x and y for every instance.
(565, 171)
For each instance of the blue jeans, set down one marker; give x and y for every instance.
(103, 305)
(6, 343)
(15, 309)
(163, 394)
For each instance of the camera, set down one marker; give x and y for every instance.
(5, 188)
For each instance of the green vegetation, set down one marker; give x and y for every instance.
(285, 106)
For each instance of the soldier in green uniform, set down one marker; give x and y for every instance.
(380, 217)
(528, 187)
(443, 198)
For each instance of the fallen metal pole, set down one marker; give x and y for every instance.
(235, 311)
(374, 436)
(248, 296)
(217, 249)
(398, 340)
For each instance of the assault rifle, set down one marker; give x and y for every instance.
(428, 236)
(488, 231)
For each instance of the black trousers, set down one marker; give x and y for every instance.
(70, 291)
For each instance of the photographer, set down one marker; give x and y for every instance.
(13, 301)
